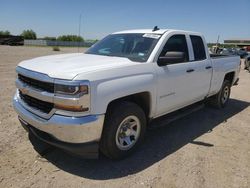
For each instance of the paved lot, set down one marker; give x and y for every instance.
(210, 148)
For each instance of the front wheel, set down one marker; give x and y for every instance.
(124, 129)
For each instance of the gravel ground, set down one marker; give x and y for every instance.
(209, 148)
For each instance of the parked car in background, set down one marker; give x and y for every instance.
(11, 40)
(247, 48)
(247, 63)
(228, 51)
(234, 51)
(242, 53)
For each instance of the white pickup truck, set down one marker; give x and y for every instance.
(104, 99)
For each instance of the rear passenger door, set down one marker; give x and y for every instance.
(202, 66)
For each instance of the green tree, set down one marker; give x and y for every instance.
(74, 38)
(28, 34)
(4, 32)
(49, 38)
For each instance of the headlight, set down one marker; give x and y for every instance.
(71, 89)
(76, 91)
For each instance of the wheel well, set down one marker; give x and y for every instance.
(141, 99)
(229, 76)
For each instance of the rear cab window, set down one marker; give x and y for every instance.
(198, 48)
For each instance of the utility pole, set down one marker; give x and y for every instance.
(218, 40)
(79, 31)
(217, 44)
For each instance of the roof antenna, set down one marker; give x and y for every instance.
(156, 28)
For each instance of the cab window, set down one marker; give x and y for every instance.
(198, 47)
(176, 43)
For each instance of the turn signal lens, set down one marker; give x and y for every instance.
(71, 108)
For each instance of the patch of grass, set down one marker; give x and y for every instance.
(55, 48)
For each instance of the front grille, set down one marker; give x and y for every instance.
(43, 106)
(45, 86)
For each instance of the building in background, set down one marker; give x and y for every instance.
(242, 43)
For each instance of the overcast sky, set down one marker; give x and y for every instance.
(227, 18)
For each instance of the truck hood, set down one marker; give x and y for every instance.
(68, 66)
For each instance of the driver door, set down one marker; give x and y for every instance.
(175, 86)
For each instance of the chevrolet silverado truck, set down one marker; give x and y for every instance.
(104, 100)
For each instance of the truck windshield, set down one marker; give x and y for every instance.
(136, 47)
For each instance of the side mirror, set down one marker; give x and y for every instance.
(171, 57)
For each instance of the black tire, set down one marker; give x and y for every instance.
(219, 100)
(116, 114)
(248, 66)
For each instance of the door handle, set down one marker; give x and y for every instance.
(190, 70)
(208, 67)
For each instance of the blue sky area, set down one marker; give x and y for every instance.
(228, 18)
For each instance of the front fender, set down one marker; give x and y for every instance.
(105, 91)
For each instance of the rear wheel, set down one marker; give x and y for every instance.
(248, 65)
(220, 100)
(124, 129)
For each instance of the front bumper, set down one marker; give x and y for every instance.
(74, 130)
(88, 150)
